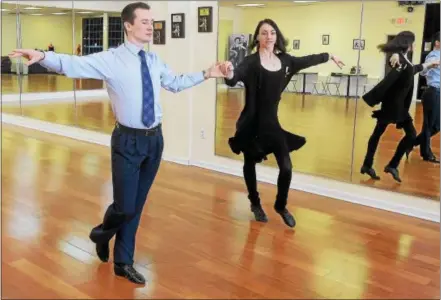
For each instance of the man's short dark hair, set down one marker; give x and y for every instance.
(128, 13)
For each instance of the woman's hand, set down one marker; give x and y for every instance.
(337, 61)
(395, 60)
(227, 69)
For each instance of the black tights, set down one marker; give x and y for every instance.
(406, 143)
(285, 173)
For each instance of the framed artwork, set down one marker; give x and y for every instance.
(159, 32)
(178, 26)
(427, 46)
(296, 44)
(205, 19)
(358, 44)
(325, 39)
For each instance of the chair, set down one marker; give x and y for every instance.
(317, 83)
(335, 80)
(293, 83)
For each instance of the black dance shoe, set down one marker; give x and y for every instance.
(129, 272)
(102, 250)
(287, 217)
(394, 172)
(431, 159)
(259, 213)
(370, 171)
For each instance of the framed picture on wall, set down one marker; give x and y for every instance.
(178, 26)
(205, 19)
(296, 44)
(358, 44)
(159, 32)
(325, 39)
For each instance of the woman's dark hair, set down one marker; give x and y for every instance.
(400, 43)
(281, 43)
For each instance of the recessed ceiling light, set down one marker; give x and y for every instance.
(59, 13)
(85, 12)
(250, 5)
(31, 8)
(4, 9)
(35, 14)
(304, 1)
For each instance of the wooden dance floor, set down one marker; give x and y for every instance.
(326, 122)
(196, 238)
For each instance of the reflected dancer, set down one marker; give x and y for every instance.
(394, 93)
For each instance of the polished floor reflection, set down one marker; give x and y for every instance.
(45, 83)
(196, 239)
(92, 115)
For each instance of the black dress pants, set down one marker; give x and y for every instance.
(406, 143)
(431, 126)
(136, 156)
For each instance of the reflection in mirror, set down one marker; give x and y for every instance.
(319, 102)
(10, 68)
(382, 142)
(97, 31)
(45, 94)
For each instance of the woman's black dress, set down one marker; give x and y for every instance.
(258, 131)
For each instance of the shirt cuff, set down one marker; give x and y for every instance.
(199, 77)
(49, 61)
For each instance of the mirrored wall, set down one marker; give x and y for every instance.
(35, 92)
(324, 103)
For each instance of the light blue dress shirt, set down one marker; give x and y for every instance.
(120, 68)
(432, 74)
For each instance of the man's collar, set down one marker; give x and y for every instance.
(133, 48)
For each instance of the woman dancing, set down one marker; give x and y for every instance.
(265, 74)
(394, 93)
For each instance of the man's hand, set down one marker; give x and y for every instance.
(33, 56)
(337, 61)
(434, 64)
(395, 60)
(218, 70)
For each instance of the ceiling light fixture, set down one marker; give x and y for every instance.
(250, 5)
(32, 8)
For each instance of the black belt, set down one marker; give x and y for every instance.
(137, 131)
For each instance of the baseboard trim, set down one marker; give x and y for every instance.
(367, 196)
(372, 197)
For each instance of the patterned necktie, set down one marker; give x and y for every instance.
(148, 107)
